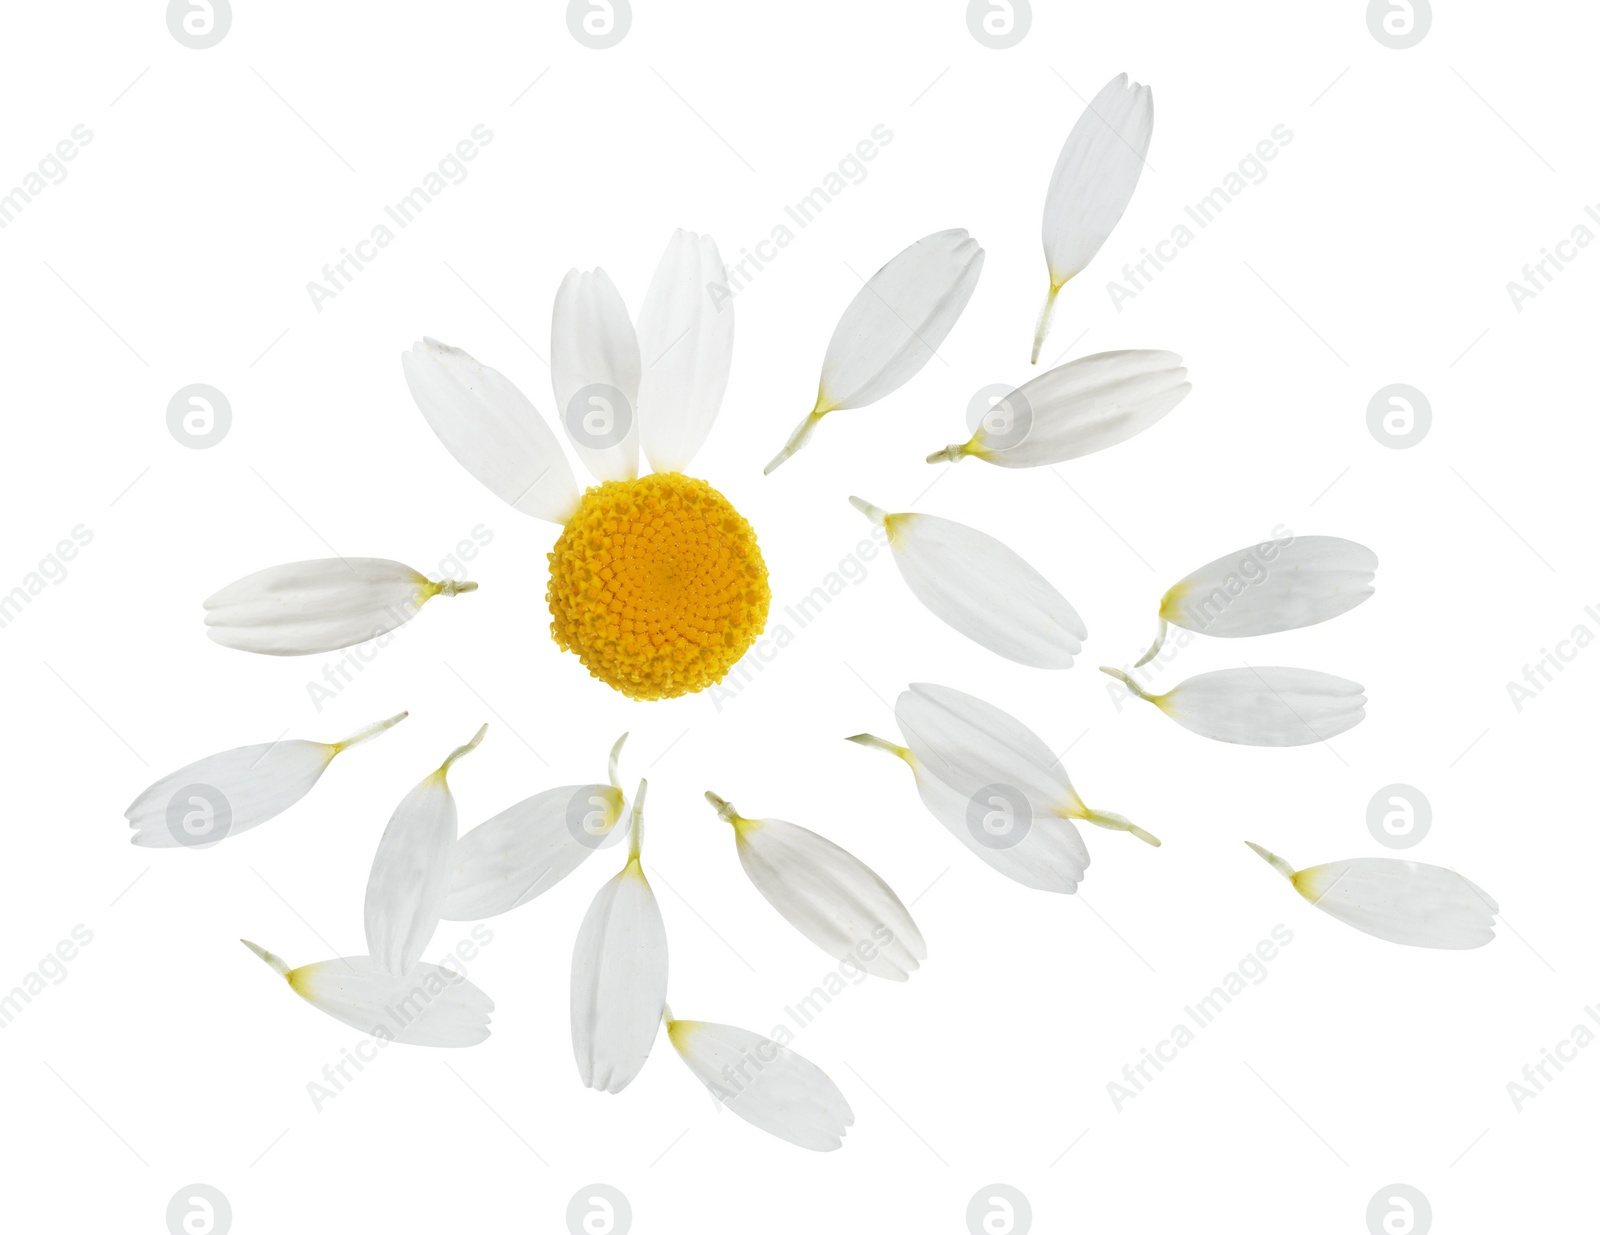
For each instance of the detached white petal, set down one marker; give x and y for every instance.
(492, 430)
(411, 870)
(974, 583)
(320, 606)
(1260, 706)
(225, 794)
(763, 1083)
(994, 783)
(1093, 182)
(1403, 902)
(619, 974)
(686, 346)
(594, 367)
(893, 326)
(827, 894)
(527, 849)
(1263, 589)
(1076, 409)
(430, 1006)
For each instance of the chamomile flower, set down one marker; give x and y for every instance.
(1404, 902)
(656, 582)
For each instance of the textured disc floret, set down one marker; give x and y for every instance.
(657, 584)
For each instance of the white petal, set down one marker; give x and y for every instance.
(1095, 175)
(1403, 902)
(492, 430)
(1050, 856)
(1263, 706)
(970, 744)
(764, 1084)
(320, 606)
(980, 587)
(1281, 585)
(619, 976)
(686, 346)
(827, 894)
(893, 326)
(430, 1006)
(527, 849)
(411, 870)
(594, 367)
(224, 794)
(1076, 409)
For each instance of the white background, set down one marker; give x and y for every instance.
(1376, 250)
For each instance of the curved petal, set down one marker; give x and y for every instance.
(411, 871)
(430, 1006)
(1265, 706)
(893, 326)
(1076, 409)
(1280, 585)
(981, 588)
(686, 346)
(319, 606)
(827, 894)
(492, 430)
(527, 849)
(224, 794)
(619, 975)
(594, 367)
(763, 1083)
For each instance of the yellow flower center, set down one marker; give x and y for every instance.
(657, 585)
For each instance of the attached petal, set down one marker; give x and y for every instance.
(763, 1083)
(686, 346)
(1093, 181)
(224, 794)
(594, 367)
(619, 975)
(827, 894)
(320, 606)
(430, 1006)
(1404, 902)
(975, 584)
(1260, 706)
(1076, 409)
(411, 870)
(492, 430)
(893, 326)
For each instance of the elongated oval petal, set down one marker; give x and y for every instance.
(320, 606)
(527, 849)
(619, 976)
(827, 894)
(225, 794)
(983, 589)
(1076, 409)
(764, 1084)
(1280, 585)
(1050, 856)
(411, 871)
(893, 326)
(1404, 902)
(430, 1006)
(594, 367)
(686, 348)
(1262, 706)
(1093, 181)
(492, 430)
